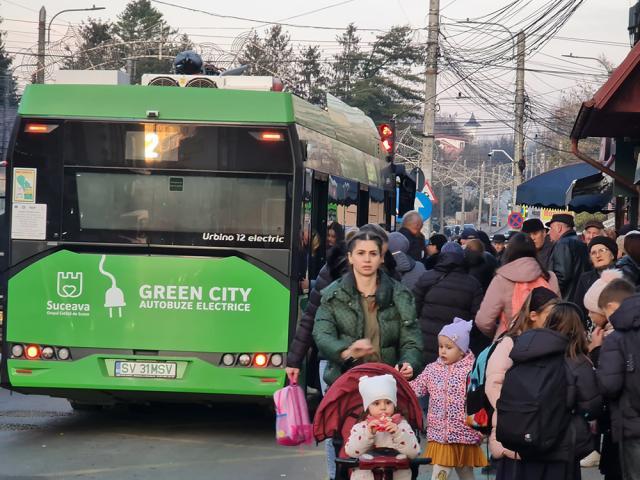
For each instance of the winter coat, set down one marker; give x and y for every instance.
(361, 441)
(482, 267)
(630, 269)
(446, 292)
(570, 258)
(544, 254)
(416, 244)
(497, 299)
(340, 322)
(410, 270)
(583, 396)
(446, 386)
(584, 283)
(625, 420)
(336, 266)
(430, 261)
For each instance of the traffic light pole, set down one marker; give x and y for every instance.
(430, 80)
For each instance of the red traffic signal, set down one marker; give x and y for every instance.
(387, 137)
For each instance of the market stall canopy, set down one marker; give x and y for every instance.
(614, 111)
(579, 187)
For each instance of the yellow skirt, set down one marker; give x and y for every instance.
(455, 455)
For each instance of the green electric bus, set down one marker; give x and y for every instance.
(160, 239)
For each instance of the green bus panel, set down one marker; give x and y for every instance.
(136, 302)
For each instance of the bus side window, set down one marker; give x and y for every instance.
(343, 202)
(376, 207)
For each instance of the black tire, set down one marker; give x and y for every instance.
(85, 407)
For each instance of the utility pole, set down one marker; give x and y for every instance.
(430, 83)
(42, 28)
(441, 205)
(464, 188)
(519, 127)
(480, 199)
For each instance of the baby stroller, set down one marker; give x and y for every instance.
(339, 411)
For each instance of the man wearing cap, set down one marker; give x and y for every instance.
(535, 229)
(570, 256)
(436, 243)
(592, 229)
(499, 243)
(468, 234)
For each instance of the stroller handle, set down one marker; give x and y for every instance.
(389, 462)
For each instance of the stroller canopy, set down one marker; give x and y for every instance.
(342, 405)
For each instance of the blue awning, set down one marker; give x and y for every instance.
(558, 188)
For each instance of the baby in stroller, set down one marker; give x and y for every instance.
(374, 409)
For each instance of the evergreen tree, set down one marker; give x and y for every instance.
(347, 65)
(7, 81)
(311, 81)
(271, 55)
(96, 49)
(146, 36)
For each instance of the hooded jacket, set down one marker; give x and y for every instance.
(630, 269)
(446, 386)
(569, 259)
(497, 299)
(482, 266)
(583, 396)
(612, 365)
(446, 292)
(340, 321)
(410, 271)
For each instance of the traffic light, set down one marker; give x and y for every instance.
(388, 139)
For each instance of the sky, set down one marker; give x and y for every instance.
(598, 27)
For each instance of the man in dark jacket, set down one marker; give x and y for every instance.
(570, 257)
(535, 229)
(630, 263)
(443, 293)
(433, 250)
(618, 371)
(411, 228)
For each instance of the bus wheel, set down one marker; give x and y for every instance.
(85, 407)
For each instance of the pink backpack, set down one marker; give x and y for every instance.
(521, 291)
(292, 417)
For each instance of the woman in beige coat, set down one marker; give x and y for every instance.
(521, 266)
(532, 315)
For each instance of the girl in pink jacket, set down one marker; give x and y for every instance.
(452, 444)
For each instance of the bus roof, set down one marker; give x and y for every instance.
(175, 104)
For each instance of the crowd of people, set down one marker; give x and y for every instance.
(515, 308)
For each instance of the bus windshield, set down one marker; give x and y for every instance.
(164, 184)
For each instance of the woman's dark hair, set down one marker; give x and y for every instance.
(566, 318)
(339, 231)
(377, 229)
(521, 246)
(488, 247)
(632, 246)
(363, 236)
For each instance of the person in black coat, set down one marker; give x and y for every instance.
(481, 263)
(630, 263)
(443, 293)
(411, 228)
(570, 257)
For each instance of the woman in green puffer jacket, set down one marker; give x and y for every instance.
(366, 316)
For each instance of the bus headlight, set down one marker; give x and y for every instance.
(47, 353)
(276, 360)
(17, 350)
(244, 360)
(228, 359)
(64, 353)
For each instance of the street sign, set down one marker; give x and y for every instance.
(515, 220)
(423, 205)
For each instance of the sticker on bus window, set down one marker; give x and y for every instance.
(24, 185)
(29, 221)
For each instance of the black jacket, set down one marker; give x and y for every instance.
(482, 267)
(416, 244)
(336, 266)
(583, 396)
(570, 258)
(441, 294)
(630, 269)
(544, 254)
(584, 283)
(612, 366)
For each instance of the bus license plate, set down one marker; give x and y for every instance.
(146, 369)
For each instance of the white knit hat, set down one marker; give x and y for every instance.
(377, 388)
(592, 296)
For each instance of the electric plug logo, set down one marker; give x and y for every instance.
(113, 298)
(69, 284)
